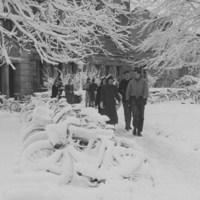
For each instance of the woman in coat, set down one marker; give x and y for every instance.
(87, 93)
(109, 100)
(69, 92)
(56, 89)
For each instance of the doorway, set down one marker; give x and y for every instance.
(11, 81)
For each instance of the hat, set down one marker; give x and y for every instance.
(126, 72)
(108, 78)
(138, 70)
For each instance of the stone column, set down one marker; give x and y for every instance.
(5, 79)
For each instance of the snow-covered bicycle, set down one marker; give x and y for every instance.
(102, 157)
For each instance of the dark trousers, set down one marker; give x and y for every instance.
(127, 113)
(70, 97)
(137, 108)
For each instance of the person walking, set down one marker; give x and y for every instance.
(56, 89)
(69, 91)
(137, 94)
(87, 93)
(126, 105)
(92, 91)
(109, 100)
(98, 96)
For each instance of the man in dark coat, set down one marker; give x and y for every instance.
(109, 99)
(126, 104)
(56, 89)
(137, 93)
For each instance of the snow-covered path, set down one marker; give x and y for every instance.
(176, 172)
(176, 165)
(172, 137)
(185, 162)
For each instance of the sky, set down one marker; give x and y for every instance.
(171, 142)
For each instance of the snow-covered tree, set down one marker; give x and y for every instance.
(61, 30)
(174, 33)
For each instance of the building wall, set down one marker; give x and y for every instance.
(27, 72)
(20, 80)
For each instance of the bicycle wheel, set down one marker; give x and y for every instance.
(26, 108)
(42, 156)
(163, 98)
(31, 130)
(183, 96)
(194, 96)
(26, 117)
(14, 107)
(173, 97)
(35, 152)
(41, 135)
(2, 102)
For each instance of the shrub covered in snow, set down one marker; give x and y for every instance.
(185, 81)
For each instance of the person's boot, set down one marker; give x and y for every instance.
(128, 128)
(139, 133)
(134, 131)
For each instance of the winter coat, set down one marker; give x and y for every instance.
(109, 95)
(137, 88)
(92, 90)
(87, 93)
(86, 86)
(122, 88)
(69, 93)
(56, 90)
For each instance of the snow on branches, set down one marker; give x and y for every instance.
(174, 39)
(61, 30)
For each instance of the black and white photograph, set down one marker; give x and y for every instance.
(99, 99)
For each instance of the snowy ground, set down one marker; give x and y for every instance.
(171, 140)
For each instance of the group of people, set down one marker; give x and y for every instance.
(57, 89)
(132, 93)
(107, 97)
